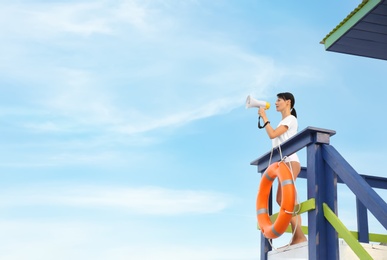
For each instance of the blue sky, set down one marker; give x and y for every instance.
(124, 131)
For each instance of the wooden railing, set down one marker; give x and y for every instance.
(325, 168)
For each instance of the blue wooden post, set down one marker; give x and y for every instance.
(331, 200)
(314, 170)
(362, 222)
(322, 185)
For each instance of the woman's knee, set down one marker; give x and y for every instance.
(279, 200)
(296, 168)
(279, 195)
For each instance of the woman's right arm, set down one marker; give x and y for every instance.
(271, 132)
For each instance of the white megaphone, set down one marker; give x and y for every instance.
(252, 102)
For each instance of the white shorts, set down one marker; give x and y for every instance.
(292, 158)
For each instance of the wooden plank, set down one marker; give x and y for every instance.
(345, 234)
(294, 144)
(362, 222)
(367, 51)
(376, 18)
(305, 206)
(381, 9)
(375, 204)
(362, 44)
(371, 27)
(321, 244)
(375, 181)
(365, 35)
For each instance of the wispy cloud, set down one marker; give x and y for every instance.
(93, 78)
(114, 240)
(83, 18)
(141, 200)
(191, 79)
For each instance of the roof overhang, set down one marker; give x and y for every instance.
(363, 32)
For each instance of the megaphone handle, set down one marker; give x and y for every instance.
(259, 123)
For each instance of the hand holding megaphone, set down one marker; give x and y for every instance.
(252, 102)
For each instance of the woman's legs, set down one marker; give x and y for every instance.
(296, 220)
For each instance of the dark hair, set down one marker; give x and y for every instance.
(289, 96)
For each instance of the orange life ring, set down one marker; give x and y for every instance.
(276, 229)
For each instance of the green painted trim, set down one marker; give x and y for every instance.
(345, 233)
(311, 205)
(305, 206)
(355, 16)
(303, 228)
(372, 237)
(377, 238)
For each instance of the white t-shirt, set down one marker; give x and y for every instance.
(292, 124)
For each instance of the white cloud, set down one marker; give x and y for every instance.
(45, 20)
(45, 239)
(130, 67)
(114, 240)
(143, 200)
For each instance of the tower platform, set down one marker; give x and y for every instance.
(300, 251)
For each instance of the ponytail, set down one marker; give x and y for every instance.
(293, 112)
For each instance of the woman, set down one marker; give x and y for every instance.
(286, 129)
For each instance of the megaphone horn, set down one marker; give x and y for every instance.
(252, 102)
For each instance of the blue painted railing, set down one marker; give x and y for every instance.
(325, 168)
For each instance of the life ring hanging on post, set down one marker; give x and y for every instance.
(276, 229)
